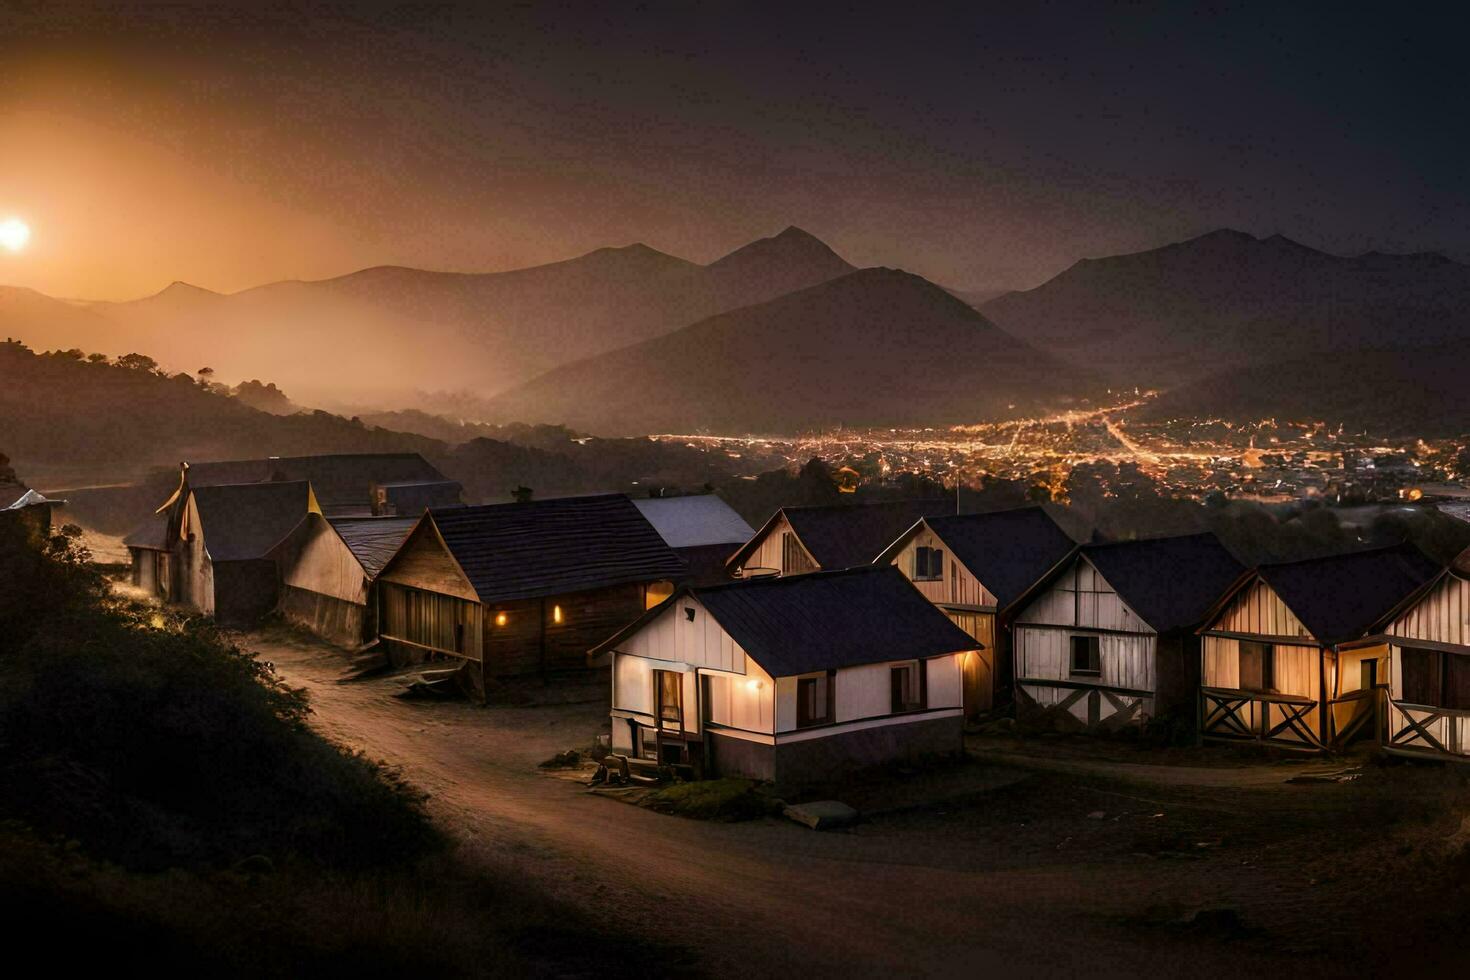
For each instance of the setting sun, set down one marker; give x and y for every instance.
(14, 233)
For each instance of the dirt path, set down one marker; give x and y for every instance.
(943, 891)
(1220, 777)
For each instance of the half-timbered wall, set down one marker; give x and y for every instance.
(956, 586)
(1295, 668)
(1127, 661)
(1441, 617)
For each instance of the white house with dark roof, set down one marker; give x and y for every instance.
(974, 566)
(789, 679)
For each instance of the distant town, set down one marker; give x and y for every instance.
(1269, 460)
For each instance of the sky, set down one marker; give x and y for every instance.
(977, 144)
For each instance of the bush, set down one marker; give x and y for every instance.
(156, 743)
(711, 799)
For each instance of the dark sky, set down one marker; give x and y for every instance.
(986, 145)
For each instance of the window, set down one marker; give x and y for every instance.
(669, 692)
(1435, 679)
(928, 564)
(906, 687)
(813, 701)
(1086, 655)
(1257, 666)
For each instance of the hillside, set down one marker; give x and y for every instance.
(1391, 392)
(875, 347)
(1226, 299)
(381, 332)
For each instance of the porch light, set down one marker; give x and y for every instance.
(754, 684)
(501, 619)
(556, 614)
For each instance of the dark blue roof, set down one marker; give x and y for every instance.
(1006, 550)
(826, 620)
(1339, 597)
(555, 546)
(1172, 583)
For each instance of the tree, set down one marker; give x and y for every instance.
(137, 362)
(206, 374)
(96, 358)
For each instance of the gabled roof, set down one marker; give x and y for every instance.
(1007, 550)
(846, 535)
(1171, 583)
(339, 479)
(553, 547)
(824, 621)
(1340, 597)
(248, 520)
(152, 534)
(14, 497)
(372, 540)
(694, 521)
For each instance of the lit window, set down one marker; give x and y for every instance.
(556, 614)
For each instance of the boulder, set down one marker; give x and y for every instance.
(822, 814)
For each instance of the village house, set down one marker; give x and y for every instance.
(1428, 681)
(351, 484)
(521, 588)
(1109, 634)
(328, 581)
(1284, 660)
(31, 508)
(972, 566)
(232, 542)
(701, 528)
(789, 679)
(828, 537)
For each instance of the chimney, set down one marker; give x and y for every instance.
(522, 494)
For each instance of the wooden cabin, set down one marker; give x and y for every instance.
(972, 566)
(792, 680)
(797, 540)
(1425, 689)
(29, 508)
(1283, 660)
(522, 588)
(232, 542)
(701, 528)
(344, 485)
(328, 581)
(1109, 634)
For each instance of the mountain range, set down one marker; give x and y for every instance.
(783, 333)
(874, 347)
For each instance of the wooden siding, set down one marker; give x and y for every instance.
(673, 636)
(322, 563)
(338, 621)
(1295, 672)
(424, 563)
(769, 553)
(1259, 611)
(1440, 616)
(1081, 597)
(532, 641)
(431, 620)
(957, 586)
(196, 575)
(1044, 653)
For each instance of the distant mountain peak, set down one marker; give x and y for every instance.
(791, 245)
(179, 288)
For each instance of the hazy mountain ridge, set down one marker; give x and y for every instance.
(1227, 299)
(875, 347)
(392, 329)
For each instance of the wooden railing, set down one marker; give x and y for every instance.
(1228, 713)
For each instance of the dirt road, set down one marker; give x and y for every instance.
(1040, 878)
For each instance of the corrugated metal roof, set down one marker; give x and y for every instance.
(247, 520)
(1006, 550)
(554, 547)
(694, 521)
(827, 620)
(1339, 597)
(372, 540)
(1170, 582)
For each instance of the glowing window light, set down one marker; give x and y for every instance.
(556, 614)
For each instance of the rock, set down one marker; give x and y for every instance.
(1096, 815)
(822, 814)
